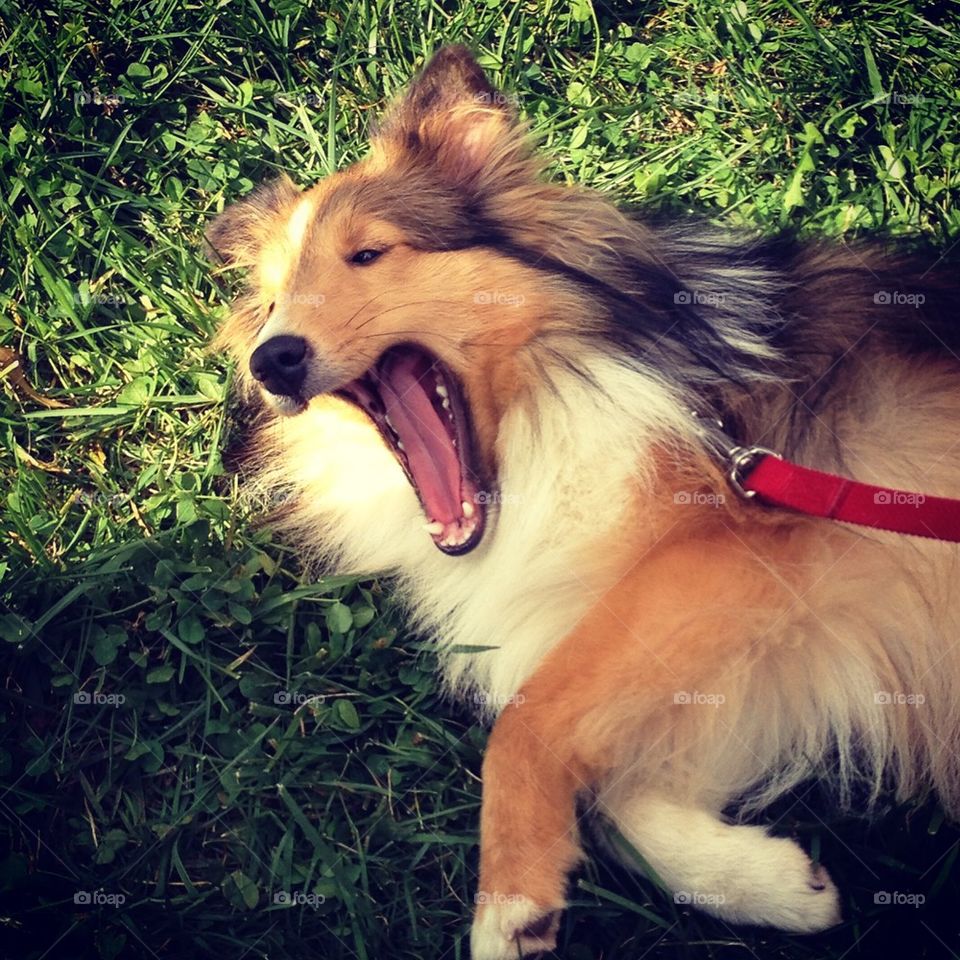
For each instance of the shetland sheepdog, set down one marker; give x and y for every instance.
(506, 392)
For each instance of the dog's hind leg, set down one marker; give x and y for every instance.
(737, 873)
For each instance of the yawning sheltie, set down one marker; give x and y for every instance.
(511, 395)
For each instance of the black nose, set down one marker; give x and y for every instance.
(280, 364)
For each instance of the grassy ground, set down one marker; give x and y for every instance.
(201, 755)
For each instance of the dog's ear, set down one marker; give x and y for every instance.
(451, 77)
(235, 237)
(453, 117)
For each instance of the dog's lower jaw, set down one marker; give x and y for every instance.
(285, 406)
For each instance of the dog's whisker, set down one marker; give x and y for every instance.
(401, 306)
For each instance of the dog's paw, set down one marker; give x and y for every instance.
(806, 900)
(507, 926)
(775, 884)
(738, 873)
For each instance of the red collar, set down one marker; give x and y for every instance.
(757, 472)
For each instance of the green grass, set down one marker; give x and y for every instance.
(127, 571)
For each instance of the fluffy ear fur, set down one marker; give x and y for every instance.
(234, 238)
(452, 118)
(452, 76)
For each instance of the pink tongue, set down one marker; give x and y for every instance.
(431, 457)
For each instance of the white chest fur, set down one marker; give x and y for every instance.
(570, 461)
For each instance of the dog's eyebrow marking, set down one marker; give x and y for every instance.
(299, 220)
(431, 215)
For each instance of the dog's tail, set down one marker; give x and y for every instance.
(912, 300)
(929, 300)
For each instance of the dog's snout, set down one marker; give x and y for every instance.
(280, 365)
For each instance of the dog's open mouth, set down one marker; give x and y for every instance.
(418, 406)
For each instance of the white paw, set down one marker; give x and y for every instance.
(507, 926)
(738, 873)
(772, 883)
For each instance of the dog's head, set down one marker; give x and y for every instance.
(426, 284)
(384, 286)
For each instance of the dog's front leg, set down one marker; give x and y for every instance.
(528, 834)
(670, 625)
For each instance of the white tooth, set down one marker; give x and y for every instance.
(468, 509)
(400, 446)
(390, 424)
(435, 528)
(442, 391)
(445, 404)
